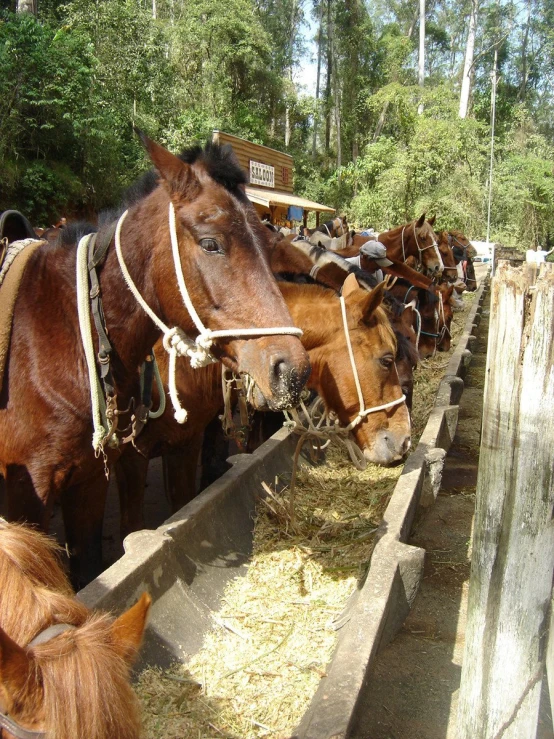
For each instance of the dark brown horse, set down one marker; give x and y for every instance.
(384, 436)
(46, 428)
(64, 670)
(432, 315)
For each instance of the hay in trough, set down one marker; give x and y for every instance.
(276, 629)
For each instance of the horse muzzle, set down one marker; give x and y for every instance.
(279, 368)
(388, 448)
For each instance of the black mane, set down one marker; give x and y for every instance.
(219, 161)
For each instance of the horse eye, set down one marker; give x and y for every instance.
(386, 362)
(210, 246)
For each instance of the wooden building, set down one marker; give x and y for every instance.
(270, 182)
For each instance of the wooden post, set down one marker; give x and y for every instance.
(513, 541)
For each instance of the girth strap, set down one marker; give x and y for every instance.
(95, 257)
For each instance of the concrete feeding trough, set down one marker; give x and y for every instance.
(187, 562)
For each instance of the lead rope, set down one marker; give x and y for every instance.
(175, 341)
(100, 422)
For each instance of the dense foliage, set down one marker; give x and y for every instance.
(371, 142)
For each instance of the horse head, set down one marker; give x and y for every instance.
(222, 250)
(383, 433)
(70, 679)
(427, 246)
(435, 318)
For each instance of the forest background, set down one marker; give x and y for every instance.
(399, 122)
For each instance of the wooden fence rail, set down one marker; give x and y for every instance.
(513, 543)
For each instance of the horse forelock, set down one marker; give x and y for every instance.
(78, 699)
(221, 164)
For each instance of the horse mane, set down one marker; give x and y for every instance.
(77, 696)
(72, 668)
(218, 160)
(405, 349)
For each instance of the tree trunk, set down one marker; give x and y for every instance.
(27, 6)
(524, 67)
(383, 116)
(513, 548)
(318, 77)
(468, 61)
(328, 101)
(291, 54)
(421, 66)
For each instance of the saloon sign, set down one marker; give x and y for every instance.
(262, 174)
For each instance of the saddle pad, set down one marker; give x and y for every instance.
(8, 294)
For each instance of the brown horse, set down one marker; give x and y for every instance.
(64, 670)
(462, 252)
(432, 316)
(300, 257)
(415, 239)
(384, 436)
(45, 402)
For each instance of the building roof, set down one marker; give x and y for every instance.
(278, 197)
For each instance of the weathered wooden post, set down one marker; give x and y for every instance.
(513, 542)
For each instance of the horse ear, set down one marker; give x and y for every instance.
(350, 285)
(128, 629)
(362, 310)
(17, 673)
(431, 221)
(177, 175)
(420, 221)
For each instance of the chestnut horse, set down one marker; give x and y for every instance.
(64, 670)
(384, 436)
(415, 239)
(218, 241)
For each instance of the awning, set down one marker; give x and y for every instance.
(277, 197)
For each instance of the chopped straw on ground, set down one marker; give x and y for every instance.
(276, 630)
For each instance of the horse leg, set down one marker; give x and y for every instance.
(83, 515)
(130, 473)
(179, 469)
(25, 501)
(215, 450)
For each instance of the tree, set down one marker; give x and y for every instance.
(468, 60)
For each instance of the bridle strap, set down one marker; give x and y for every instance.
(51, 632)
(18, 731)
(421, 249)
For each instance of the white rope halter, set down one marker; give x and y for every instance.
(329, 427)
(175, 341)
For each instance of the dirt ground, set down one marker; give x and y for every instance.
(413, 691)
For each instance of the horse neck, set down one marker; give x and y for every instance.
(307, 305)
(35, 582)
(144, 235)
(392, 240)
